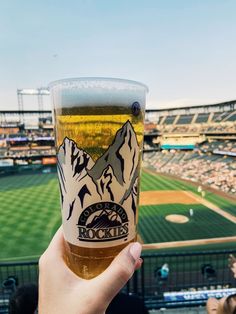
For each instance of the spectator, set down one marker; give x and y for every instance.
(232, 264)
(162, 272)
(24, 300)
(126, 304)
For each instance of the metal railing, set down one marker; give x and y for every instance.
(188, 272)
(15, 274)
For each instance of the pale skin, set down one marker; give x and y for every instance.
(61, 291)
(215, 306)
(232, 264)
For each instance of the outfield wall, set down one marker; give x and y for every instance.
(24, 169)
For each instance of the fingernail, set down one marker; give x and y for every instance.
(135, 250)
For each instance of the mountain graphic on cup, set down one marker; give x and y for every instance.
(112, 178)
(105, 219)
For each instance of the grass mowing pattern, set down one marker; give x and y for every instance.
(30, 210)
(152, 182)
(153, 227)
(30, 214)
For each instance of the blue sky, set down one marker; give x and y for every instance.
(184, 50)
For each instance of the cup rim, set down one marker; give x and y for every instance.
(97, 78)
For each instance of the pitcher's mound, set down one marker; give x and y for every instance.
(179, 219)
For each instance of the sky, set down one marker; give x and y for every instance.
(183, 50)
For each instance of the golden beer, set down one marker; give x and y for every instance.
(99, 138)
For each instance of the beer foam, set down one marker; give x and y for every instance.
(89, 92)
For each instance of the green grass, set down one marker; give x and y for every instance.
(152, 182)
(30, 214)
(153, 227)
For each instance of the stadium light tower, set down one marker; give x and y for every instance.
(40, 92)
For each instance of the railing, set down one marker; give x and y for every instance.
(190, 272)
(12, 275)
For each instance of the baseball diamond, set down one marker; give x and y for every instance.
(212, 221)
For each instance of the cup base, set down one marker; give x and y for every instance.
(88, 263)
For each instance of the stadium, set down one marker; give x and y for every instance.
(187, 212)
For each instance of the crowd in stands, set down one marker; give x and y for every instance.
(212, 163)
(27, 144)
(201, 123)
(225, 128)
(197, 128)
(216, 171)
(30, 134)
(149, 146)
(224, 146)
(30, 152)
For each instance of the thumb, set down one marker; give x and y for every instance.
(119, 272)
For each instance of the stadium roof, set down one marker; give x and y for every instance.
(226, 103)
(221, 104)
(25, 111)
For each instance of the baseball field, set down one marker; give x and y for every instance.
(172, 215)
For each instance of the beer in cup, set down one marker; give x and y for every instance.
(99, 125)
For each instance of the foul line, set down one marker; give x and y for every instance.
(213, 207)
(174, 244)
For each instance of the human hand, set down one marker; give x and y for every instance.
(212, 305)
(61, 291)
(215, 306)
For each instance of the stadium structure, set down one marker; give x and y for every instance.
(196, 143)
(187, 211)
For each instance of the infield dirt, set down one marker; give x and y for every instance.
(166, 197)
(183, 197)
